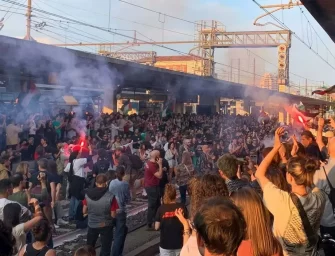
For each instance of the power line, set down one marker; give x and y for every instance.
(23, 14)
(10, 7)
(119, 34)
(167, 15)
(75, 17)
(151, 10)
(67, 30)
(294, 34)
(303, 12)
(123, 19)
(16, 9)
(38, 30)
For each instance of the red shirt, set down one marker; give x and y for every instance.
(245, 249)
(150, 180)
(114, 205)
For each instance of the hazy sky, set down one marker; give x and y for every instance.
(235, 15)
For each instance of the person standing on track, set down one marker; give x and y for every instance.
(100, 205)
(153, 172)
(120, 189)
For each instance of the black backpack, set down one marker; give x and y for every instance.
(136, 162)
(331, 195)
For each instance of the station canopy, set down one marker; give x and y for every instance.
(36, 58)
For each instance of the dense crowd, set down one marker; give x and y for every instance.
(215, 185)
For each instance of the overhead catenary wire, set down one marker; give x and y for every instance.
(94, 37)
(40, 31)
(9, 7)
(11, 13)
(293, 33)
(122, 35)
(151, 10)
(119, 18)
(160, 13)
(317, 34)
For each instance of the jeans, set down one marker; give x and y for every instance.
(106, 237)
(74, 203)
(154, 202)
(182, 190)
(121, 231)
(165, 252)
(331, 231)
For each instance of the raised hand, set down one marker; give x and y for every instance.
(279, 132)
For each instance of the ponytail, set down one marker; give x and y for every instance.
(302, 170)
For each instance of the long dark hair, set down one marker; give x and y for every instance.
(73, 156)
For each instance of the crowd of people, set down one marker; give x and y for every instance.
(215, 185)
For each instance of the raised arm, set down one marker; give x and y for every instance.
(263, 167)
(321, 124)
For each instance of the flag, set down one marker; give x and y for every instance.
(330, 90)
(125, 107)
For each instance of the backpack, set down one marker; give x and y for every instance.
(136, 162)
(331, 195)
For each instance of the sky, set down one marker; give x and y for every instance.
(234, 15)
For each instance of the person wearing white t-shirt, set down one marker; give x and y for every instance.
(288, 226)
(76, 177)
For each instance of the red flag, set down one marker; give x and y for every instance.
(323, 92)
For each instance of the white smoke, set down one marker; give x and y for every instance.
(73, 69)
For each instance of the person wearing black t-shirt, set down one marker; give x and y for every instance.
(171, 229)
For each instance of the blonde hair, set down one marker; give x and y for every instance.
(23, 168)
(170, 194)
(258, 222)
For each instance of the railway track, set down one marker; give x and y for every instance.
(68, 238)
